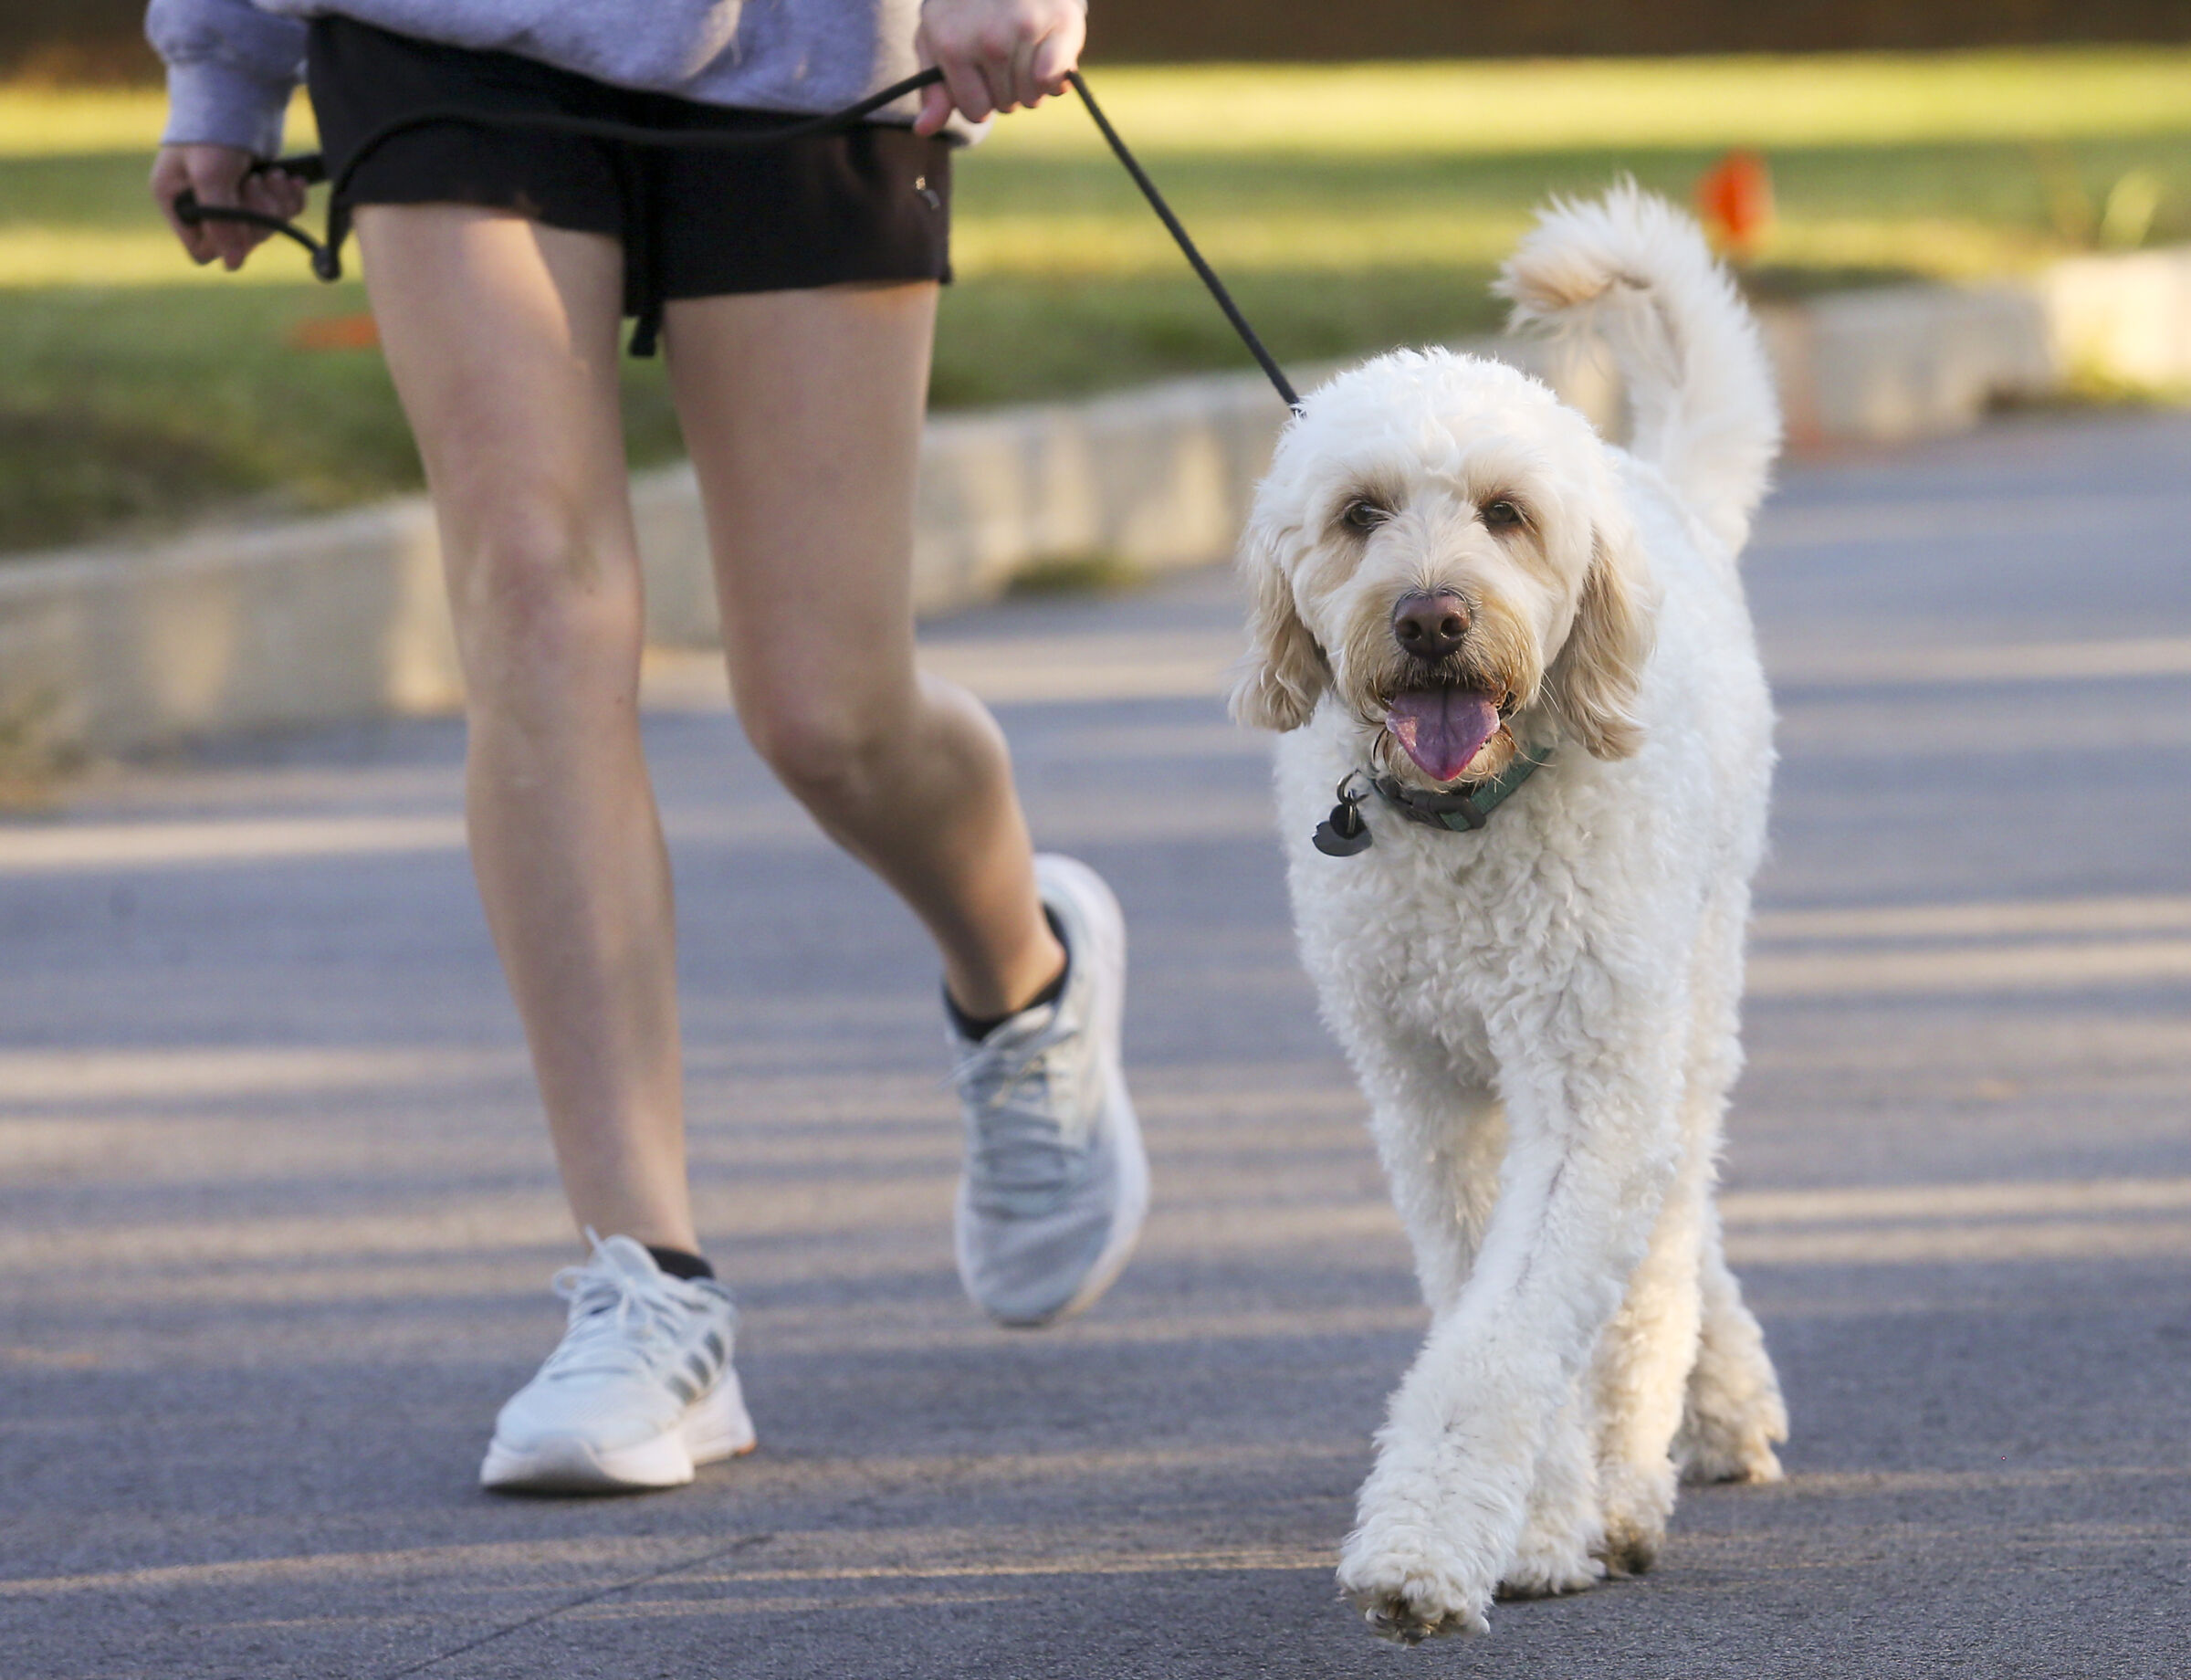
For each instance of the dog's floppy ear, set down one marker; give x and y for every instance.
(1593, 681)
(1285, 673)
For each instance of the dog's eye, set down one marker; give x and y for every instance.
(1503, 515)
(1362, 514)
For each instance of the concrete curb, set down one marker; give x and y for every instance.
(113, 650)
(1906, 361)
(312, 622)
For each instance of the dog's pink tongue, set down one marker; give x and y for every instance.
(1442, 728)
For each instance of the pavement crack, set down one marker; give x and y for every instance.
(743, 1543)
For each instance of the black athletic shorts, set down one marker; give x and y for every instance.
(871, 204)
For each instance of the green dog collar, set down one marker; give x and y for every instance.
(1343, 834)
(1470, 808)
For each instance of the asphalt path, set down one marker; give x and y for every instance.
(278, 1217)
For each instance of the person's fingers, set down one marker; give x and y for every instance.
(936, 98)
(960, 61)
(217, 174)
(993, 62)
(270, 193)
(286, 195)
(935, 109)
(970, 92)
(998, 54)
(171, 177)
(1023, 89)
(221, 177)
(965, 53)
(1058, 52)
(267, 193)
(216, 191)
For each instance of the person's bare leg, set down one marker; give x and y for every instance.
(501, 336)
(802, 412)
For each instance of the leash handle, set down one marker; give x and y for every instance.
(192, 214)
(1271, 369)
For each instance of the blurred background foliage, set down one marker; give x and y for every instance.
(1351, 206)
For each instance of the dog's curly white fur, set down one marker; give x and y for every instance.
(1542, 1013)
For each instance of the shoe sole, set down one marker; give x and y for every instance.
(1106, 930)
(715, 1427)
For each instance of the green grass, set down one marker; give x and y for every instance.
(1351, 208)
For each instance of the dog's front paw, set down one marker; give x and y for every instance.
(1408, 1585)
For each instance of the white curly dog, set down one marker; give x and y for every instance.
(1536, 972)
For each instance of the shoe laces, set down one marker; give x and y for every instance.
(618, 1322)
(1015, 1091)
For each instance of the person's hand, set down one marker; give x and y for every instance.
(995, 54)
(219, 175)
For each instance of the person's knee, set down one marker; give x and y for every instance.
(833, 749)
(540, 593)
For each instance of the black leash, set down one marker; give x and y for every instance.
(1271, 369)
(327, 254)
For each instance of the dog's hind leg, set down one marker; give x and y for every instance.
(1663, 1335)
(1733, 1412)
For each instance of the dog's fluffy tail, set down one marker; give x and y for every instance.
(1635, 271)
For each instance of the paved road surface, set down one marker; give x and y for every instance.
(276, 1215)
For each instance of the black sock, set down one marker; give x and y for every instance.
(678, 1263)
(975, 1030)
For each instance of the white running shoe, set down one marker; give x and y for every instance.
(1056, 1184)
(639, 1391)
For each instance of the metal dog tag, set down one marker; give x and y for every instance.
(1343, 834)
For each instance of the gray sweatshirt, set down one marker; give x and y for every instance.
(233, 64)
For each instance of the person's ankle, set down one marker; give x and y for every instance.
(683, 1263)
(974, 1028)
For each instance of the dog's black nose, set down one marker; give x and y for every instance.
(1428, 627)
